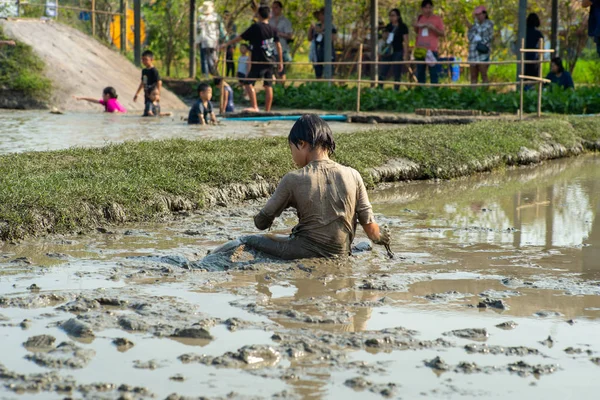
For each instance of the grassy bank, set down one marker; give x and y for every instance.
(22, 80)
(78, 189)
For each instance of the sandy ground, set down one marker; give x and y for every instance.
(78, 65)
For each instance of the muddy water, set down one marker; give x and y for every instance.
(36, 130)
(524, 244)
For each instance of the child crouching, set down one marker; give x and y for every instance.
(202, 111)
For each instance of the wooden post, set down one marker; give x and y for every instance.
(554, 24)
(360, 57)
(522, 69)
(328, 39)
(18, 8)
(540, 83)
(93, 18)
(123, 26)
(137, 30)
(192, 39)
(222, 104)
(374, 40)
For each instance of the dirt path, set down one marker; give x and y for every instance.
(79, 65)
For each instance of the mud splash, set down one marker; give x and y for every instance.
(124, 314)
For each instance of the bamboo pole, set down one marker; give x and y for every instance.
(522, 81)
(222, 104)
(123, 26)
(93, 18)
(540, 84)
(360, 56)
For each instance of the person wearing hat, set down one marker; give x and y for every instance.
(481, 35)
(316, 34)
(210, 32)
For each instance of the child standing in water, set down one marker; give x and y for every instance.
(202, 111)
(150, 80)
(109, 101)
(329, 199)
(228, 97)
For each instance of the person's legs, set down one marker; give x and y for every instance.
(474, 73)
(251, 96)
(384, 69)
(267, 75)
(230, 68)
(318, 70)
(433, 70)
(421, 73)
(484, 73)
(203, 67)
(281, 247)
(398, 68)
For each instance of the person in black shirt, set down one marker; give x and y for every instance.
(201, 112)
(264, 43)
(150, 80)
(316, 34)
(559, 76)
(396, 47)
(532, 41)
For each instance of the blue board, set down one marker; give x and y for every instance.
(341, 118)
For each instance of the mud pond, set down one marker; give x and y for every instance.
(36, 130)
(494, 293)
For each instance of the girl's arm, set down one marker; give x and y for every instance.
(90, 99)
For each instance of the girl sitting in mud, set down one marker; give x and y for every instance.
(329, 199)
(108, 100)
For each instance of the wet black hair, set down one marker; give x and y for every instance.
(558, 62)
(426, 3)
(217, 81)
(312, 129)
(278, 3)
(110, 91)
(395, 10)
(148, 53)
(203, 87)
(264, 12)
(533, 20)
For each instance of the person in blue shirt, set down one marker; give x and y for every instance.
(227, 94)
(559, 76)
(594, 21)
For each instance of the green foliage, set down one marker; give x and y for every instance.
(21, 70)
(167, 24)
(69, 190)
(584, 100)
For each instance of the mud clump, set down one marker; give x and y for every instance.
(548, 342)
(193, 333)
(437, 363)
(497, 304)
(132, 324)
(595, 360)
(469, 333)
(496, 350)
(547, 314)
(254, 356)
(77, 329)
(40, 342)
(360, 384)
(573, 350)
(65, 355)
(523, 369)
(123, 344)
(34, 288)
(151, 364)
(508, 325)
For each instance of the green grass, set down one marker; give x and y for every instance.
(22, 71)
(76, 189)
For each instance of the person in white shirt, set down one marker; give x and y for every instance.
(284, 31)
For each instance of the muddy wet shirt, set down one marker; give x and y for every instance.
(329, 198)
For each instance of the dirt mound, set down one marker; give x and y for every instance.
(80, 65)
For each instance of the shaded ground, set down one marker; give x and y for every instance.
(131, 316)
(78, 65)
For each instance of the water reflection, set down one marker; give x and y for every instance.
(38, 131)
(552, 208)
